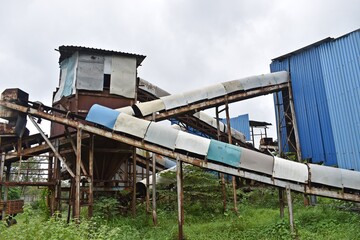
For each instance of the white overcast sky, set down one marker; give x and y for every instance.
(188, 44)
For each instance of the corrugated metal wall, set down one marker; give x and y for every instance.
(240, 123)
(341, 72)
(325, 83)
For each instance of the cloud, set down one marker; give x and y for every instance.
(189, 44)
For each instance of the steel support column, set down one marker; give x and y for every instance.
(223, 186)
(77, 176)
(230, 142)
(154, 214)
(290, 208)
(180, 198)
(133, 204)
(91, 176)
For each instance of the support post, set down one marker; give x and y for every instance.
(134, 184)
(147, 182)
(290, 208)
(223, 187)
(1, 180)
(154, 190)
(51, 189)
(6, 192)
(57, 195)
(180, 196)
(230, 142)
(281, 202)
(91, 176)
(77, 176)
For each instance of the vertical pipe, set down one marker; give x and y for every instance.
(91, 176)
(77, 176)
(134, 183)
(154, 189)
(230, 142)
(147, 182)
(180, 196)
(290, 208)
(281, 202)
(223, 187)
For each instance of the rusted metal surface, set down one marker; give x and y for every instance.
(290, 209)
(12, 206)
(299, 187)
(133, 202)
(154, 213)
(91, 176)
(52, 147)
(181, 109)
(77, 175)
(180, 198)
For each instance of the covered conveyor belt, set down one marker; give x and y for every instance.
(218, 94)
(211, 154)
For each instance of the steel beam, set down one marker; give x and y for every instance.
(180, 197)
(51, 146)
(190, 160)
(218, 101)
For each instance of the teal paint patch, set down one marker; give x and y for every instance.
(224, 153)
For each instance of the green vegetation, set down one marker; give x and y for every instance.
(258, 217)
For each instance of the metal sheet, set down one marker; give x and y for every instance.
(108, 65)
(151, 88)
(341, 73)
(209, 120)
(147, 108)
(215, 91)
(256, 161)
(174, 101)
(350, 179)
(265, 80)
(67, 80)
(102, 115)
(163, 136)
(224, 153)
(131, 125)
(195, 96)
(233, 86)
(241, 124)
(290, 170)
(123, 76)
(325, 175)
(90, 72)
(128, 110)
(192, 143)
(325, 82)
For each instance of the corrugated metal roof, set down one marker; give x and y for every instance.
(325, 82)
(67, 51)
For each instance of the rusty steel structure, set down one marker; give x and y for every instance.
(97, 158)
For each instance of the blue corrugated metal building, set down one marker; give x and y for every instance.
(326, 93)
(240, 123)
